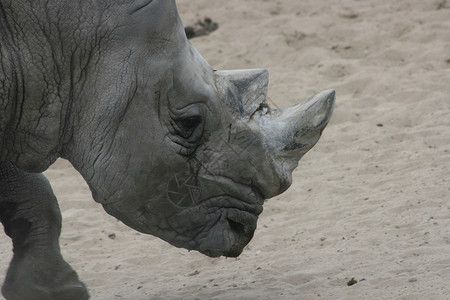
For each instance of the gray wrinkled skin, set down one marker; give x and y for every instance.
(168, 145)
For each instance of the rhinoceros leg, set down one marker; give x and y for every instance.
(30, 215)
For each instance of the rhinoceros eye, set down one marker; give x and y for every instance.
(186, 128)
(189, 123)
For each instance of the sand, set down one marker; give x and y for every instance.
(371, 201)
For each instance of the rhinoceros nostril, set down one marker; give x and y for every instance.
(235, 226)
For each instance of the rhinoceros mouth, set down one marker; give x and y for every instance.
(236, 222)
(220, 225)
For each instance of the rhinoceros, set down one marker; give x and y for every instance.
(167, 144)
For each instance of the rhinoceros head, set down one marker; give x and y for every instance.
(176, 149)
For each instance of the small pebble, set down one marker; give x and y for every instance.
(196, 272)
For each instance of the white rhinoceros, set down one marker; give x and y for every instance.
(168, 145)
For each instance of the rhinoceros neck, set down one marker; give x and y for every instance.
(45, 56)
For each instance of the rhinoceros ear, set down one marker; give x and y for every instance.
(243, 90)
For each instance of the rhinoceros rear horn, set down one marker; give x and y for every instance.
(243, 90)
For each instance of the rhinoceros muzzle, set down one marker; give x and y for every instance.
(216, 214)
(238, 219)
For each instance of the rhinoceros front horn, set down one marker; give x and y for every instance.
(290, 133)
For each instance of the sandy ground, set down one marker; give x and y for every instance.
(371, 201)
